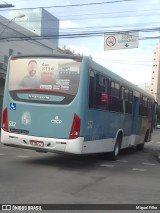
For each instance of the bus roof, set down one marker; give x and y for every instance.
(76, 57)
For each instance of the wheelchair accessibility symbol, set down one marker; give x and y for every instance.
(12, 106)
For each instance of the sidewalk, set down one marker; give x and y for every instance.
(156, 143)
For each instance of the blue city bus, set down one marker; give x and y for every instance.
(71, 104)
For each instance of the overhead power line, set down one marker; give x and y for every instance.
(95, 3)
(81, 35)
(81, 5)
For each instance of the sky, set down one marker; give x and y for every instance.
(90, 17)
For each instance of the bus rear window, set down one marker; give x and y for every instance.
(44, 79)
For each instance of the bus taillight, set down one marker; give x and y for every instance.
(75, 130)
(5, 120)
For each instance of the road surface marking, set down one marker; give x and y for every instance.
(6, 147)
(149, 164)
(107, 165)
(22, 156)
(29, 150)
(123, 161)
(140, 170)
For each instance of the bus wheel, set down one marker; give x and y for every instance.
(140, 147)
(114, 155)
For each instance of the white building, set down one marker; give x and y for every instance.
(155, 81)
(39, 21)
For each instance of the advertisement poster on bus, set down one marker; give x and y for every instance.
(44, 73)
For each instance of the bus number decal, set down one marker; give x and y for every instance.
(90, 124)
(12, 123)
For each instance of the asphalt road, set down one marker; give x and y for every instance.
(28, 177)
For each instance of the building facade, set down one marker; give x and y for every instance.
(16, 40)
(155, 81)
(38, 21)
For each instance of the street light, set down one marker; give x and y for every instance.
(20, 16)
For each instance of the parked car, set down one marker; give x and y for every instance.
(158, 126)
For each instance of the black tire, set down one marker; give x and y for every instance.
(140, 147)
(114, 155)
(146, 136)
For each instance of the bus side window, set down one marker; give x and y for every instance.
(145, 106)
(130, 101)
(149, 104)
(128, 97)
(101, 92)
(114, 100)
(141, 105)
(91, 89)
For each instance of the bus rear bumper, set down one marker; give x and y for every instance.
(42, 144)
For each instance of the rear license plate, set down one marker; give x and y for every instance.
(37, 143)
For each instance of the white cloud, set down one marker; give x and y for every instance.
(68, 24)
(131, 64)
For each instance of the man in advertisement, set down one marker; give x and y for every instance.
(31, 80)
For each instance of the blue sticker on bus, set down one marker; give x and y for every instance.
(12, 106)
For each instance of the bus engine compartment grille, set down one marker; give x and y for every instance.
(19, 131)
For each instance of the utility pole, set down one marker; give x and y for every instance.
(6, 5)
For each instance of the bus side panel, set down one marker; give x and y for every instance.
(101, 130)
(142, 128)
(82, 95)
(140, 123)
